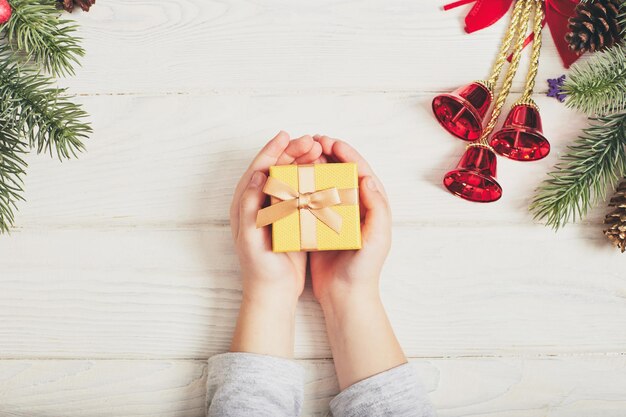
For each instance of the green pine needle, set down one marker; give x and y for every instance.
(595, 163)
(37, 33)
(38, 111)
(12, 168)
(622, 19)
(598, 86)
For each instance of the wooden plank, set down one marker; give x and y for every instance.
(174, 160)
(244, 46)
(172, 293)
(508, 387)
(512, 387)
(86, 388)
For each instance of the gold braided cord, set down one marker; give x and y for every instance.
(536, 51)
(520, 32)
(506, 45)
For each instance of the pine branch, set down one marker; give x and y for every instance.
(595, 162)
(622, 19)
(12, 168)
(37, 33)
(598, 86)
(38, 111)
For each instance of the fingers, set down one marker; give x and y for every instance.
(267, 157)
(278, 151)
(312, 156)
(264, 159)
(251, 202)
(326, 142)
(321, 160)
(339, 151)
(270, 153)
(377, 224)
(295, 149)
(303, 150)
(344, 153)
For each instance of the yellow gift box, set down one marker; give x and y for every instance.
(313, 207)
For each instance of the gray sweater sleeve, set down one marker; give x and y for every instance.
(245, 384)
(393, 393)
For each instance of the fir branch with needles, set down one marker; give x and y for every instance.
(12, 170)
(622, 20)
(598, 86)
(36, 32)
(38, 111)
(36, 45)
(594, 163)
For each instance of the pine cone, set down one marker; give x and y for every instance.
(616, 219)
(595, 26)
(69, 5)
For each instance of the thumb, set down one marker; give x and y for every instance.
(250, 203)
(377, 224)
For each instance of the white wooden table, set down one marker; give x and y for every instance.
(120, 280)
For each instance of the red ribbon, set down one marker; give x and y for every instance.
(485, 13)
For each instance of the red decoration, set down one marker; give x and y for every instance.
(462, 111)
(487, 12)
(521, 137)
(558, 13)
(474, 178)
(5, 11)
(484, 13)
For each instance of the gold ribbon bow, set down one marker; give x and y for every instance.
(316, 202)
(312, 205)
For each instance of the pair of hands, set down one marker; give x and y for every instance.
(279, 277)
(345, 283)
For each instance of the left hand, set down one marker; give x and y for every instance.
(265, 274)
(272, 282)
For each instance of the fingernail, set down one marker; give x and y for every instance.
(371, 184)
(256, 179)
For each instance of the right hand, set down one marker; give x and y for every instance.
(346, 282)
(339, 274)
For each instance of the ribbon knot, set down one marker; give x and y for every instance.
(304, 200)
(319, 203)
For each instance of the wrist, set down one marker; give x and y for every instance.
(280, 289)
(340, 312)
(266, 325)
(342, 297)
(278, 305)
(361, 338)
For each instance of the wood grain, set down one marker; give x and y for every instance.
(174, 160)
(508, 387)
(120, 279)
(172, 293)
(252, 46)
(76, 388)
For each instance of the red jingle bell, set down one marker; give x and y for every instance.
(521, 137)
(474, 178)
(462, 111)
